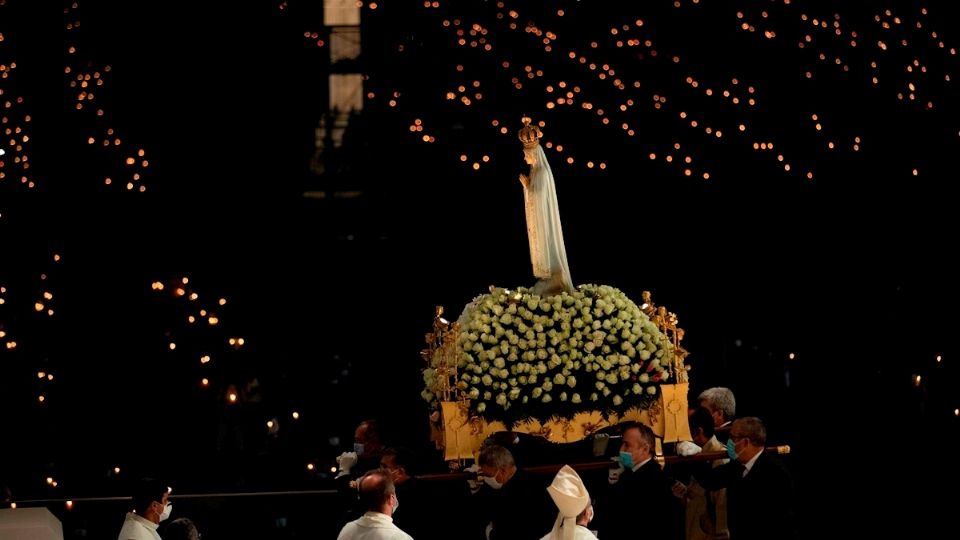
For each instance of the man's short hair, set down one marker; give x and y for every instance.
(646, 434)
(752, 428)
(146, 491)
(403, 457)
(373, 426)
(181, 529)
(721, 399)
(375, 489)
(701, 418)
(495, 455)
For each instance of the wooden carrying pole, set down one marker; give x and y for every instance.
(599, 465)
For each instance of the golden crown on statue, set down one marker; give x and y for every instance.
(529, 134)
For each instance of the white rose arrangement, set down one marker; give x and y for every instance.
(519, 355)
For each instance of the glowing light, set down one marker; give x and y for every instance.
(939, 358)
(296, 415)
(232, 397)
(116, 470)
(204, 382)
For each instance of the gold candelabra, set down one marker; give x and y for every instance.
(667, 322)
(441, 355)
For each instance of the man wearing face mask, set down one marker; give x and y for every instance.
(639, 502)
(366, 452)
(150, 506)
(378, 496)
(760, 496)
(364, 457)
(514, 501)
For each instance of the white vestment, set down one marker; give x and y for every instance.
(138, 528)
(372, 526)
(579, 533)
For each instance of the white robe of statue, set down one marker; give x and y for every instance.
(547, 253)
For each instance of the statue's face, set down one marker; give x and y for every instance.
(530, 157)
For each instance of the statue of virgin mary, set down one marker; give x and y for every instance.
(547, 253)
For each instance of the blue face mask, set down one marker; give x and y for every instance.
(358, 448)
(731, 449)
(626, 459)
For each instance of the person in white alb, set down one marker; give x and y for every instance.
(573, 502)
(379, 497)
(150, 506)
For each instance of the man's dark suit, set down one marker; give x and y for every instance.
(520, 510)
(761, 504)
(639, 505)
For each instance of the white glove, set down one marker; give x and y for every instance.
(346, 460)
(473, 481)
(687, 448)
(613, 475)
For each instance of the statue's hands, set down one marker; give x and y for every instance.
(525, 180)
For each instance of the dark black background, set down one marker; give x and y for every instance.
(851, 271)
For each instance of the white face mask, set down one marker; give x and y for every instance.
(492, 482)
(166, 512)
